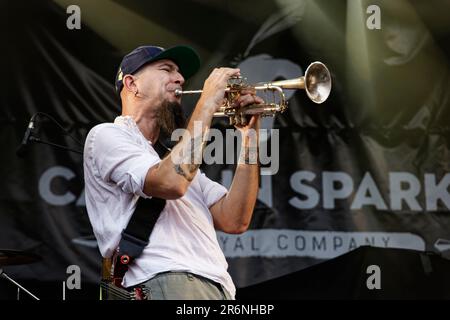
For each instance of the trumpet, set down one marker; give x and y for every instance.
(316, 82)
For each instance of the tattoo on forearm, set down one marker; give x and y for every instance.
(249, 155)
(249, 149)
(190, 158)
(188, 176)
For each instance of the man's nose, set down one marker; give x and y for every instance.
(179, 79)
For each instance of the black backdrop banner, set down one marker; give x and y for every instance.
(370, 166)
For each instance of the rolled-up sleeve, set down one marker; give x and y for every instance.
(118, 158)
(212, 191)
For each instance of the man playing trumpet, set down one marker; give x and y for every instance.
(182, 259)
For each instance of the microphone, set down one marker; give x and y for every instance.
(21, 150)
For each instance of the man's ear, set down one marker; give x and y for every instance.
(129, 83)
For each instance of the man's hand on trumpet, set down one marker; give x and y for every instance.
(214, 87)
(215, 95)
(246, 98)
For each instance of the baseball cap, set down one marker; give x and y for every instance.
(184, 57)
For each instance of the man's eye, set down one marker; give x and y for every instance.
(165, 69)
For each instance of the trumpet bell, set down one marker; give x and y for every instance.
(317, 82)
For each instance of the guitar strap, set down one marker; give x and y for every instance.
(135, 237)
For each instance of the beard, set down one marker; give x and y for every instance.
(170, 117)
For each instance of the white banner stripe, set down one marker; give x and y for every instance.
(281, 243)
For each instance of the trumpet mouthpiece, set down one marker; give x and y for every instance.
(178, 92)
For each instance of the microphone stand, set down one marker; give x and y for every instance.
(29, 137)
(5, 276)
(32, 138)
(37, 140)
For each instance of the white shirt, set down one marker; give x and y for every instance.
(117, 158)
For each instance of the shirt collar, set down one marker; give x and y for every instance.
(128, 121)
